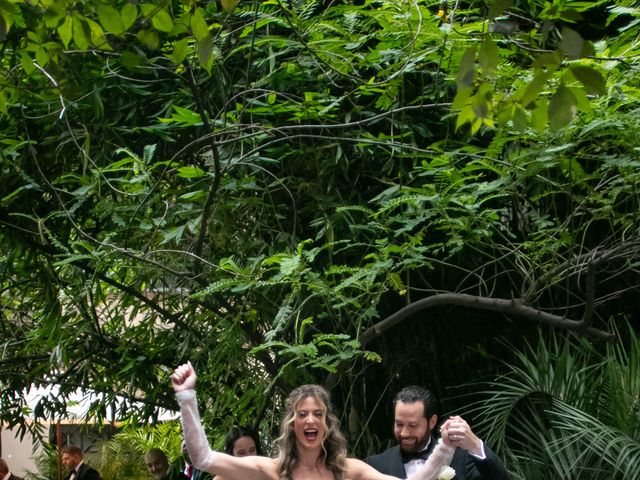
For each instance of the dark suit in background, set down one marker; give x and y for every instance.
(84, 472)
(192, 473)
(4, 470)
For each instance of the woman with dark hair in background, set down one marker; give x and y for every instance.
(242, 441)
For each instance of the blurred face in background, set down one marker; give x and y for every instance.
(70, 461)
(156, 464)
(244, 446)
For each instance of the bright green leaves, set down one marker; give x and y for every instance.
(65, 30)
(199, 26)
(573, 46)
(97, 36)
(149, 38)
(488, 55)
(190, 172)
(533, 90)
(560, 82)
(475, 108)
(183, 117)
(54, 12)
(81, 32)
(205, 52)
(111, 19)
(180, 51)
(161, 22)
(466, 71)
(160, 18)
(322, 351)
(562, 107)
(591, 79)
(204, 42)
(99, 25)
(539, 117)
(88, 32)
(229, 5)
(129, 14)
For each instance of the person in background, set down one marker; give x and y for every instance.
(414, 422)
(242, 441)
(5, 474)
(157, 463)
(73, 460)
(190, 471)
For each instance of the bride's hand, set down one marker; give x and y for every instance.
(444, 434)
(183, 378)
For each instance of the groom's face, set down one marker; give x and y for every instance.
(411, 428)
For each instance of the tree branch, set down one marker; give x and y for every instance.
(508, 307)
(213, 190)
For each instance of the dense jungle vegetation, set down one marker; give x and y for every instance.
(364, 194)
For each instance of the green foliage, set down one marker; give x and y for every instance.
(565, 409)
(253, 186)
(123, 455)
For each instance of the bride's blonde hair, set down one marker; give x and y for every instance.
(334, 445)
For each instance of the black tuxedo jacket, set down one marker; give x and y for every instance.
(199, 475)
(467, 467)
(175, 474)
(15, 477)
(85, 472)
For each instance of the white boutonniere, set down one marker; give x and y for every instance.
(446, 473)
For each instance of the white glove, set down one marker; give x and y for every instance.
(200, 453)
(440, 457)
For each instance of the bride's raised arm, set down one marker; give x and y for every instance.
(200, 453)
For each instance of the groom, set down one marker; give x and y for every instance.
(415, 418)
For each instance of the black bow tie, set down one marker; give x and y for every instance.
(409, 456)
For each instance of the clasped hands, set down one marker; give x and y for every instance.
(455, 432)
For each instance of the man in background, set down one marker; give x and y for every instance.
(415, 419)
(73, 460)
(5, 474)
(157, 463)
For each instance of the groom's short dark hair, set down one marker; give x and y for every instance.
(416, 393)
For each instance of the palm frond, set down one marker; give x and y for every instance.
(566, 409)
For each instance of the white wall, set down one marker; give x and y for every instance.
(18, 453)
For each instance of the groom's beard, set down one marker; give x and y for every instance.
(414, 444)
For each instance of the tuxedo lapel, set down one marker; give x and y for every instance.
(80, 472)
(396, 467)
(390, 462)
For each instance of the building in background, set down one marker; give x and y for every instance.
(21, 454)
